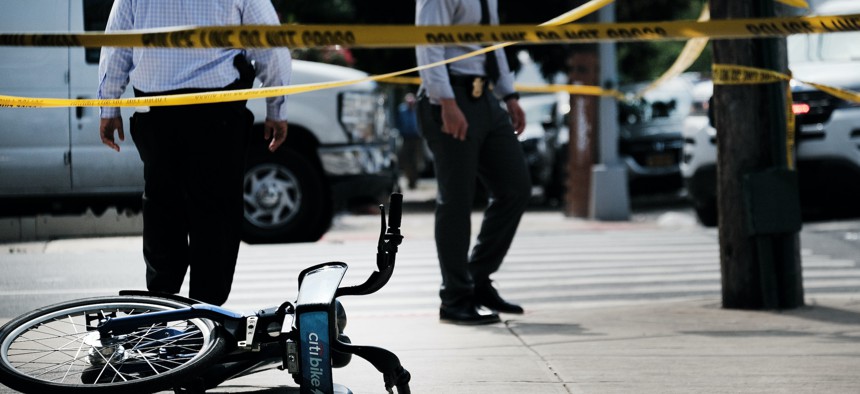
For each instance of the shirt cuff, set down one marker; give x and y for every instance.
(276, 112)
(109, 112)
(513, 95)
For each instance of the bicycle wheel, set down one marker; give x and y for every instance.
(57, 349)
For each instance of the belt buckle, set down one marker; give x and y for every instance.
(477, 87)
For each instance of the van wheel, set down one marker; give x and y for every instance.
(285, 198)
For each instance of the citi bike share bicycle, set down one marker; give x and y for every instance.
(142, 342)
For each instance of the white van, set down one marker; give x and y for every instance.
(828, 128)
(52, 160)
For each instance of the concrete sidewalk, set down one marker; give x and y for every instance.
(646, 347)
(691, 346)
(678, 347)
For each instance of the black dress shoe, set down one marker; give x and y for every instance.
(487, 295)
(467, 314)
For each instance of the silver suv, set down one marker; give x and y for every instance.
(828, 128)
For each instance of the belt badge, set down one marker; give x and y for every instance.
(477, 87)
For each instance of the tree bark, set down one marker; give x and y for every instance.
(583, 123)
(758, 271)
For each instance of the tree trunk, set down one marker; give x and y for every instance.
(760, 269)
(585, 70)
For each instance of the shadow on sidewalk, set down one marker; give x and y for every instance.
(537, 328)
(249, 389)
(826, 314)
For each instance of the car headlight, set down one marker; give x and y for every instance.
(361, 115)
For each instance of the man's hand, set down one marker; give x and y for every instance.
(276, 131)
(453, 120)
(106, 130)
(518, 117)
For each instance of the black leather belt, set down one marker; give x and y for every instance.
(478, 85)
(466, 80)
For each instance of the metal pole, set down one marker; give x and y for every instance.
(609, 193)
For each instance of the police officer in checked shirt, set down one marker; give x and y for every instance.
(472, 137)
(193, 155)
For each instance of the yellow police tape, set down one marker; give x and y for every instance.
(724, 74)
(174, 37)
(526, 88)
(247, 94)
(795, 3)
(178, 99)
(691, 51)
(303, 36)
(789, 126)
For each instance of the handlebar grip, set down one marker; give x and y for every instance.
(395, 210)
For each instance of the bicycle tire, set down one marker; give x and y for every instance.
(56, 349)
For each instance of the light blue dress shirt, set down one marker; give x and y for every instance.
(457, 12)
(165, 69)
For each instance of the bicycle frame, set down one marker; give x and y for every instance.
(303, 339)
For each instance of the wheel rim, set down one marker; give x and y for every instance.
(62, 348)
(272, 196)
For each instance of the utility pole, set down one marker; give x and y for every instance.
(610, 198)
(584, 70)
(758, 203)
(597, 180)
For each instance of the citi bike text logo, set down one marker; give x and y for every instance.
(315, 350)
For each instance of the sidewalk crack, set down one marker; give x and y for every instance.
(552, 370)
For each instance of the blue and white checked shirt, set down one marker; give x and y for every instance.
(457, 12)
(164, 69)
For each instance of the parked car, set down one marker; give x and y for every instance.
(649, 139)
(828, 127)
(649, 136)
(539, 139)
(52, 160)
(699, 161)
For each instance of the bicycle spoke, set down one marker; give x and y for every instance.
(146, 360)
(51, 367)
(72, 364)
(49, 353)
(63, 346)
(60, 335)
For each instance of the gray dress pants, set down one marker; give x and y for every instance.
(492, 154)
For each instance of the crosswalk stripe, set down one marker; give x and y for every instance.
(540, 271)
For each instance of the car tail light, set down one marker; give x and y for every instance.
(800, 108)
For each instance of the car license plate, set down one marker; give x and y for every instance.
(661, 160)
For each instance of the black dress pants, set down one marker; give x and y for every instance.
(492, 154)
(193, 160)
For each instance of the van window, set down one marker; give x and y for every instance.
(840, 47)
(96, 14)
(831, 47)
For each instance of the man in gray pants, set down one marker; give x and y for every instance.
(471, 137)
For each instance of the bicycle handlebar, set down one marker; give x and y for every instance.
(395, 211)
(389, 239)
